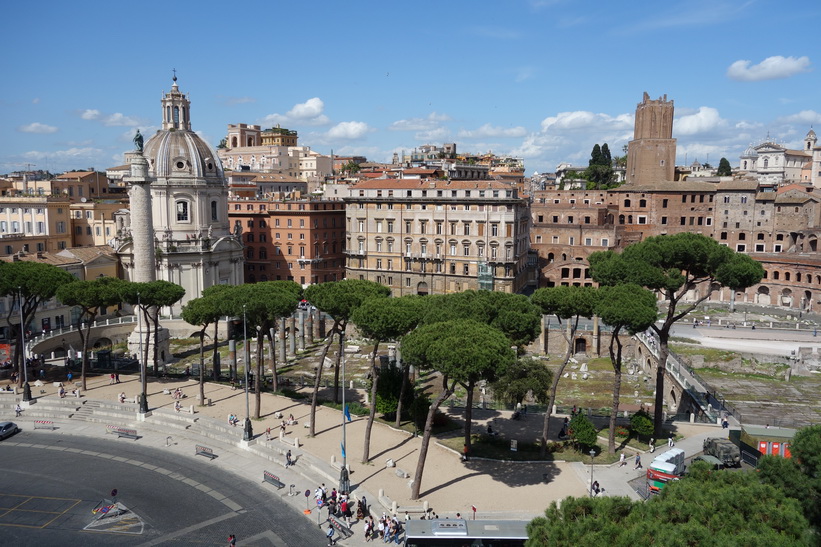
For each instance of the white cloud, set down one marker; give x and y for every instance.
(419, 124)
(705, 120)
(90, 114)
(308, 113)
(68, 154)
(37, 127)
(805, 117)
(117, 119)
(771, 68)
(582, 119)
(488, 130)
(348, 130)
(432, 135)
(35, 100)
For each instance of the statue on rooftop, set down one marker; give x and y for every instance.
(138, 141)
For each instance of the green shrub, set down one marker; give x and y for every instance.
(641, 424)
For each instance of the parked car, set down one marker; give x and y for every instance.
(7, 429)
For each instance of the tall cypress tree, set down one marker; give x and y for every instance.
(595, 156)
(605, 155)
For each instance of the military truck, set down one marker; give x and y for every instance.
(724, 450)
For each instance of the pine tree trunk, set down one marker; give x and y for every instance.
(366, 452)
(402, 391)
(272, 347)
(423, 450)
(469, 410)
(615, 359)
(318, 379)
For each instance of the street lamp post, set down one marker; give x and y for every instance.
(344, 479)
(143, 375)
(592, 455)
(248, 432)
(26, 386)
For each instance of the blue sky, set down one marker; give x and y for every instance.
(540, 79)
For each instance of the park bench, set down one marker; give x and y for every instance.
(205, 451)
(43, 424)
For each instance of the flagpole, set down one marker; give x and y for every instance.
(344, 479)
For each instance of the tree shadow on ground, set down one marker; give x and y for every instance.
(384, 469)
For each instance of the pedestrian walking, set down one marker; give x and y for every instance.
(330, 535)
(622, 460)
(652, 445)
(68, 376)
(638, 461)
(232, 540)
(288, 461)
(670, 442)
(465, 451)
(18, 410)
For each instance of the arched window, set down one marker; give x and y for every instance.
(182, 211)
(766, 162)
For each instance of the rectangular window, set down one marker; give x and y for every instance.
(605, 242)
(407, 226)
(467, 228)
(588, 241)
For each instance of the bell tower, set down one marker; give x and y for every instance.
(651, 155)
(176, 109)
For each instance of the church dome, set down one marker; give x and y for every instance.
(181, 153)
(750, 152)
(176, 151)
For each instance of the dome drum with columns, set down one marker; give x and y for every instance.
(189, 207)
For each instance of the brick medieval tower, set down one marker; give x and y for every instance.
(651, 155)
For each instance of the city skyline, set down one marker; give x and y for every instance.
(544, 80)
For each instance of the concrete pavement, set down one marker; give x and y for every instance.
(519, 490)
